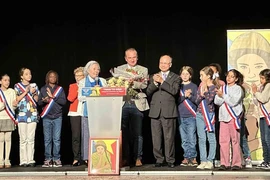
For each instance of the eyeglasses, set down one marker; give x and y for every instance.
(78, 75)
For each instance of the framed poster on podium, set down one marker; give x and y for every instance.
(104, 153)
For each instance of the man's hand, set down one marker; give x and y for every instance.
(157, 78)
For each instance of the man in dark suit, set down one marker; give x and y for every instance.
(163, 90)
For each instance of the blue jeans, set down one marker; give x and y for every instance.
(132, 121)
(187, 128)
(265, 138)
(211, 137)
(243, 139)
(52, 138)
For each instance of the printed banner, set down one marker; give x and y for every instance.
(249, 52)
(104, 91)
(103, 156)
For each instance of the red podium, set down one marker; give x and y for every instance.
(104, 106)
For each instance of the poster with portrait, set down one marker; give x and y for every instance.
(249, 52)
(103, 156)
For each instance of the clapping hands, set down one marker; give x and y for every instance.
(157, 78)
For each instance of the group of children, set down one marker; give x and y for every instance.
(200, 106)
(19, 108)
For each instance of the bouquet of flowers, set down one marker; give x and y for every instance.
(121, 78)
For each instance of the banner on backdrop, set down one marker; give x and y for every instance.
(249, 52)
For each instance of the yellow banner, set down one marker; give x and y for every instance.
(249, 52)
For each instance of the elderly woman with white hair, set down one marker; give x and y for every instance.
(91, 79)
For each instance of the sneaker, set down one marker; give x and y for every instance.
(185, 162)
(262, 165)
(202, 165)
(267, 166)
(209, 165)
(192, 162)
(248, 163)
(47, 163)
(57, 163)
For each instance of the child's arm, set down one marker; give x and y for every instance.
(263, 96)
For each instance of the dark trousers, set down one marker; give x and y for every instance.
(163, 132)
(75, 122)
(132, 136)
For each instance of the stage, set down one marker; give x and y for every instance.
(147, 170)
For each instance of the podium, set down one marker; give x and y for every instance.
(104, 106)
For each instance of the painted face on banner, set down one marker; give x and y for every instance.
(250, 65)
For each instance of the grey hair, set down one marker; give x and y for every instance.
(88, 65)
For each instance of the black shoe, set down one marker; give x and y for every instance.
(76, 164)
(222, 168)
(236, 168)
(160, 164)
(171, 165)
(32, 165)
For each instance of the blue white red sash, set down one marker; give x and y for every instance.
(209, 121)
(187, 103)
(231, 112)
(19, 86)
(48, 107)
(9, 111)
(265, 114)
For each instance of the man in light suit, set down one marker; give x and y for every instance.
(132, 111)
(163, 90)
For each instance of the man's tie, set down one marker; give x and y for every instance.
(164, 76)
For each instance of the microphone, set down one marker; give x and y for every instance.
(96, 80)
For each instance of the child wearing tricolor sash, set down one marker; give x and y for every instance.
(229, 98)
(263, 100)
(205, 118)
(27, 116)
(187, 116)
(52, 99)
(8, 104)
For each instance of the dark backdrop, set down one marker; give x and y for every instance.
(42, 41)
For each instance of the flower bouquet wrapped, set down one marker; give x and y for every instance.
(121, 78)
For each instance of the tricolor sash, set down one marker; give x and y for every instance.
(48, 107)
(209, 121)
(231, 112)
(9, 111)
(265, 114)
(19, 86)
(187, 103)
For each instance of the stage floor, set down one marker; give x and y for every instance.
(145, 172)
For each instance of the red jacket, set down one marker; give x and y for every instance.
(73, 97)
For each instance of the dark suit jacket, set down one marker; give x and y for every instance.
(164, 96)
